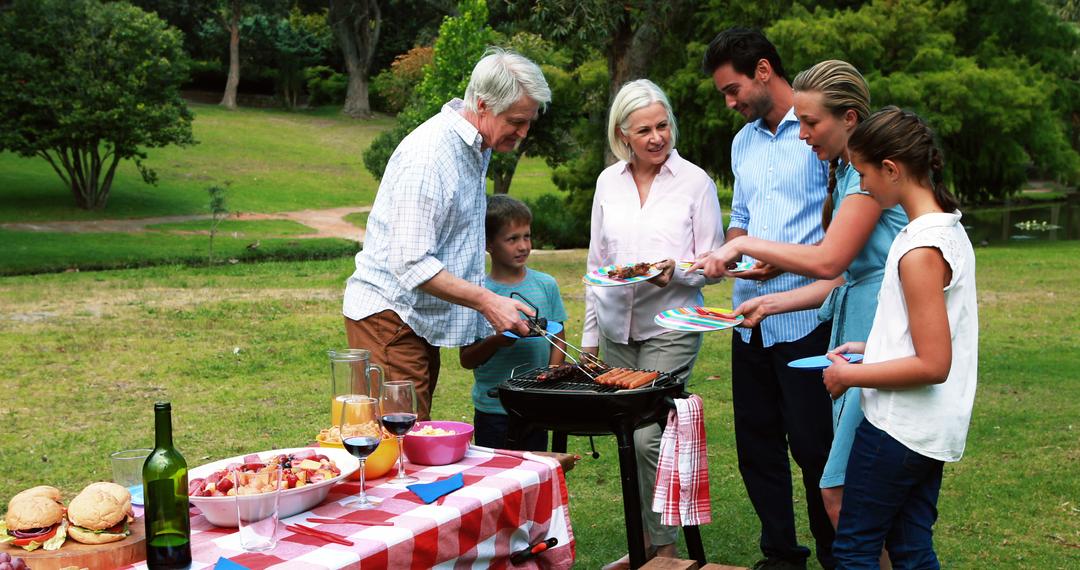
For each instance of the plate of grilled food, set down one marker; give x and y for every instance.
(697, 319)
(621, 274)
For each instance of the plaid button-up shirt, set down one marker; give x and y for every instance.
(428, 216)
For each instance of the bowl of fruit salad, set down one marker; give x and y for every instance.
(306, 480)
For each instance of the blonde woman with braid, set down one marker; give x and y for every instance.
(831, 99)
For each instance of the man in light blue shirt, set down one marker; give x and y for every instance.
(780, 187)
(418, 283)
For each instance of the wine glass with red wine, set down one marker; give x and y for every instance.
(361, 435)
(398, 402)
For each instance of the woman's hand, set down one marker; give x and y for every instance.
(667, 269)
(753, 311)
(715, 262)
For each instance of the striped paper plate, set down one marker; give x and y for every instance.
(740, 266)
(599, 278)
(691, 319)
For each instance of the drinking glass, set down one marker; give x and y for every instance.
(398, 402)
(257, 498)
(361, 436)
(127, 471)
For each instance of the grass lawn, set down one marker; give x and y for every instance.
(240, 352)
(275, 160)
(238, 228)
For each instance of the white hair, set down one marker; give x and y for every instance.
(632, 96)
(500, 79)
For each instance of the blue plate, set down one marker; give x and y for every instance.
(554, 327)
(136, 494)
(821, 362)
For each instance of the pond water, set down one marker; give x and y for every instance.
(1052, 221)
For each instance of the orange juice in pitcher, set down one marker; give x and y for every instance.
(351, 375)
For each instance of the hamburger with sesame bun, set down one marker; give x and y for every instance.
(100, 514)
(35, 518)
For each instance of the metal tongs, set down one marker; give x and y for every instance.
(538, 326)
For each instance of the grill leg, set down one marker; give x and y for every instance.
(693, 543)
(635, 534)
(558, 441)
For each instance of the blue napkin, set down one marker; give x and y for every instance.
(428, 492)
(226, 564)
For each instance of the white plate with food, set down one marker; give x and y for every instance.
(328, 467)
(621, 274)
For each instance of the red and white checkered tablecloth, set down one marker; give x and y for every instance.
(507, 504)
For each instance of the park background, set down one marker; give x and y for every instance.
(219, 287)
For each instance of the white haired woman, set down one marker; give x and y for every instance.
(651, 205)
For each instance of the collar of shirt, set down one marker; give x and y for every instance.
(936, 219)
(466, 130)
(788, 119)
(673, 165)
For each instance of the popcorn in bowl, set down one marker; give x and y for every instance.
(432, 430)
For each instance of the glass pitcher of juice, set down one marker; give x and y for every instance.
(351, 374)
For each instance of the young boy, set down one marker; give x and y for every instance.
(492, 359)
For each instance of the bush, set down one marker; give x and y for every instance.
(555, 225)
(394, 87)
(325, 86)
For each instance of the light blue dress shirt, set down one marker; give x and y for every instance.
(780, 188)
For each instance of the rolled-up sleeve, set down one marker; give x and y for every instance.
(421, 203)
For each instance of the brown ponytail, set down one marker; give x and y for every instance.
(826, 209)
(902, 136)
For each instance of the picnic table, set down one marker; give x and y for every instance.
(509, 502)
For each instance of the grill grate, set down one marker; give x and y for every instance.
(579, 382)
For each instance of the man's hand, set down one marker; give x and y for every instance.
(667, 269)
(502, 313)
(761, 271)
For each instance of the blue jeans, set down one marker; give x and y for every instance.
(890, 499)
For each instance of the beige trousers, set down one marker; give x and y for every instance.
(665, 352)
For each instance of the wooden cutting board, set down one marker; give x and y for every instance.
(92, 556)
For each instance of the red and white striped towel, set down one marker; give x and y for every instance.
(682, 472)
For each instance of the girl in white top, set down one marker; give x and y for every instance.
(919, 372)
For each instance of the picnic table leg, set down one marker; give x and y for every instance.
(635, 534)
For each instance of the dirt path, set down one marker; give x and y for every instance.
(326, 223)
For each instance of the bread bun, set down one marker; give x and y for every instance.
(34, 508)
(80, 534)
(99, 506)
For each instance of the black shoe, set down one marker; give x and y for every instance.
(778, 564)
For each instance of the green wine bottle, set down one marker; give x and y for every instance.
(165, 484)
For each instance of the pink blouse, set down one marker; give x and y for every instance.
(679, 220)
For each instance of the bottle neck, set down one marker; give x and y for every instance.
(163, 428)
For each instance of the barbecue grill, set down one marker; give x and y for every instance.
(578, 404)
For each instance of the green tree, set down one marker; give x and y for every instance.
(356, 25)
(87, 85)
(998, 113)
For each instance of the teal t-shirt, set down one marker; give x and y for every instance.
(526, 353)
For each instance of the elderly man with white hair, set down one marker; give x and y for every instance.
(418, 283)
(649, 206)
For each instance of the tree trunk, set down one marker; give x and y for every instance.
(356, 25)
(229, 99)
(503, 175)
(628, 55)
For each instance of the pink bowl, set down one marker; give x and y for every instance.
(438, 449)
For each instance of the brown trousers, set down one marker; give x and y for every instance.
(402, 353)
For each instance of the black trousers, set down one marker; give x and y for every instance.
(776, 408)
(490, 430)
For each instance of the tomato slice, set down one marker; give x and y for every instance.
(41, 538)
